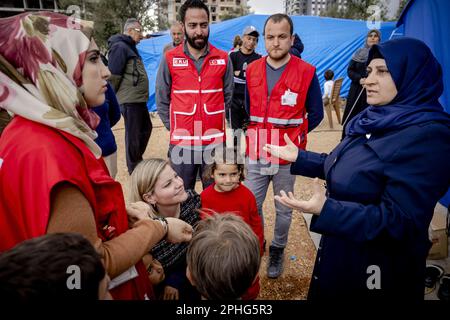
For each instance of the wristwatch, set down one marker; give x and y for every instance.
(165, 225)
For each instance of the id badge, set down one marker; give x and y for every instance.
(124, 277)
(289, 98)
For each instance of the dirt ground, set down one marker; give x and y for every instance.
(300, 253)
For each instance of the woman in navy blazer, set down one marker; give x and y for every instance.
(382, 181)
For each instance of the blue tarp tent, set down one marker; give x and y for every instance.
(329, 43)
(428, 21)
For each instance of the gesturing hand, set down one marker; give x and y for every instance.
(313, 205)
(288, 152)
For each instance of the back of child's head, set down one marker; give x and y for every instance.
(58, 266)
(144, 177)
(223, 257)
(329, 74)
(225, 156)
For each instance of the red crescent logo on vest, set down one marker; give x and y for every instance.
(180, 62)
(217, 62)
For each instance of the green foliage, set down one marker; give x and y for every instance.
(109, 16)
(400, 9)
(356, 10)
(235, 13)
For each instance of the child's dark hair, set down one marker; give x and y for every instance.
(329, 74)
(225, 156)
(39, 269)
(192, 4)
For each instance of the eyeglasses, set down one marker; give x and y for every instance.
(138, 30)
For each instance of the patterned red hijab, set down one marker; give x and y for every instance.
(41, 61)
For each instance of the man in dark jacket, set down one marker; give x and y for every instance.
(130, 82)
(236, 115)
(109, 113)
(297, 47)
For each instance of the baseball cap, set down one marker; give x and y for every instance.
(250, 30)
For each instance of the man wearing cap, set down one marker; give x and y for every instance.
(236, 115)
(283, 98)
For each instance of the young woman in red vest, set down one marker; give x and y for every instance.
(52, 177)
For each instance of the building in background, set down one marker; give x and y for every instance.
(316, 7)
(297, 7)
(322, 5)
(311, 7)
(12, 7)
(168, 9)
(392, 8)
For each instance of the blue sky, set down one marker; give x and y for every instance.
(266, 6)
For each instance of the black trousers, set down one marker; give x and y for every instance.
(237, 115)
(238, 118)
(189, 163)
(138, 128)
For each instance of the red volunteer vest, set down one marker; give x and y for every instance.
(197, 109)
(282, 112)
(34, 158)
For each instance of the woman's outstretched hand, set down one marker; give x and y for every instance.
(288, 152)
(313, 205)
(179, 231)
(138, 211)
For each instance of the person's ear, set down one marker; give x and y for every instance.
(189, 276)
(149, 198)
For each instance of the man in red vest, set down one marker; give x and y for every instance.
(193, 86)
(283, 98)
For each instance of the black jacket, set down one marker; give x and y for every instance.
(298, 47)
(128, 75)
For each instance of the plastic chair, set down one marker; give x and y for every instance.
(334, 102)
